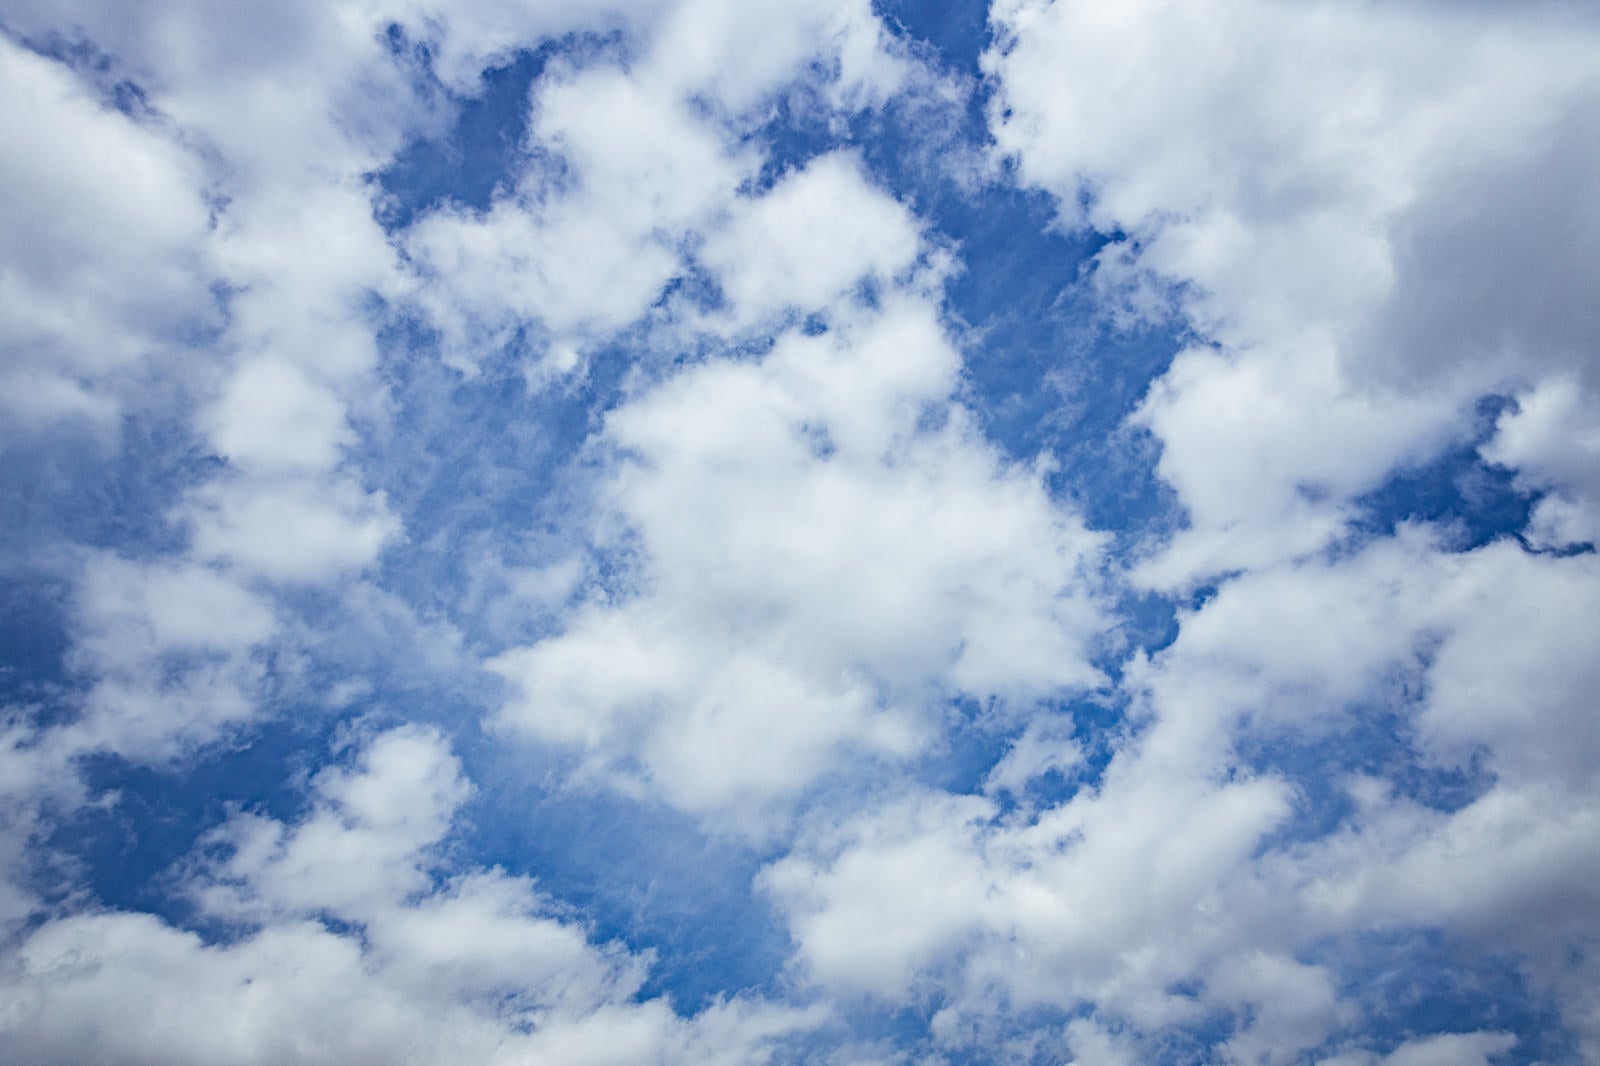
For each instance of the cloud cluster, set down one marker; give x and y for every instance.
(1371, 216)
(1366, 217)
(1169, 891)
(354, 949)
(105, 259)
(628, 165)
(824, 549)
(658, 479)
(232, 288)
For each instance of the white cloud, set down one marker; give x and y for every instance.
(807, 241)
(859, 924)
(361, 850)
(818, 570)
(36, 782)
(1092, 1045)
(289, 530)
(1161, 877)
(166, 607)
(1516, 676)
(1267, 453)
(1552, 439)
(104, 258)
(272, 417)
(1045, 746)
(629, 167)
(170, 648)
(1110, 899)
(1290, 1006)
(1446, 1049)
(590, 256)
(736, 55)
(1369, 216)
(270, 94)
(470, 968)
(1371, 210)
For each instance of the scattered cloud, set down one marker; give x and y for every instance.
(611, 613)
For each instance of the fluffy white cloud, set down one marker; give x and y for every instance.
(104, 259)
(289, 530)
(1111, 899)
(36, 781)
(170, 648)
(1372, 211)
(472, 967)
(630, 166)
(810, 239)
(589, 257)
(227, 78)
(1552, 439)
(1290, 1007)
(271, 416)
(1157, 895)
(736, 55)
(826, 552)
(1370, 217)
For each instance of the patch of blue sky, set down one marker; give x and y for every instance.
(484, 456)
(1374, 741)
(957, 29)
(107, 489)
(34, 643)
(1413, 983)
(1456, 489)
(134, 841)
(640, 874)
(478, 152)
(974, 742)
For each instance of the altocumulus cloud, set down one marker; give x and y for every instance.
(694, 531)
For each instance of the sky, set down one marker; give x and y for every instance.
(820, 531)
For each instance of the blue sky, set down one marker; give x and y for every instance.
(836, 532)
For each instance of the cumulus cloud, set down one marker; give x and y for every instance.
(1160, 894)
(810, 239)
(1551, 441)
(826, 550)
(643, 172)
(1367, 234)
(665, 478)
(350, 951)
(627, 166)
(170, 647)
(1462, 1048)
(1323, 193)
(105, 258)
